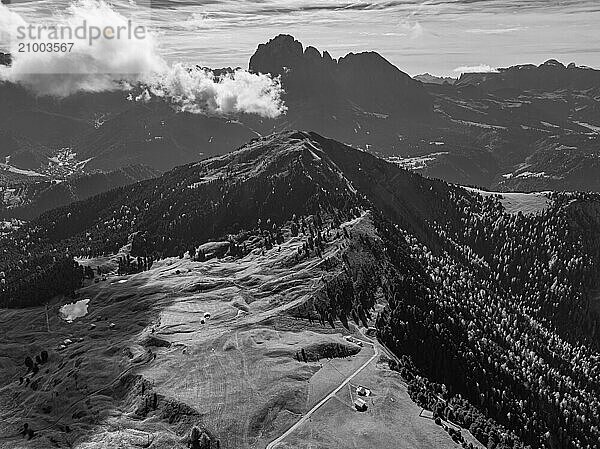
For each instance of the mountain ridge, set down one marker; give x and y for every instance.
(548, 76)
(456, 284)
(475, 133)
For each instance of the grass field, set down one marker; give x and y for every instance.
(147, 363)
(392, 420)
(514, 202)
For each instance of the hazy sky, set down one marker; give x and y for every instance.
(436, 36)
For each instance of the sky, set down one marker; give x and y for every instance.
(442, 37)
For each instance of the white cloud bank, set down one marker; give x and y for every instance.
(125, 62)
(481, 68)
(200, 91)
(495, 30)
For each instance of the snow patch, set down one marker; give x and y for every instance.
(312, 150)
(70, 312)
(595, 129)
(550, 125)
(528, 174)
(19, 171)
(480, 125)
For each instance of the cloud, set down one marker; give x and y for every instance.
(481, 68)
(88, 66)
(391, 33)
(412, 28)
(124, 62)
(9, 21)
(200, 91)
(494, 30)
(416, 30)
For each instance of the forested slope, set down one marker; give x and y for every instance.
(492, 314)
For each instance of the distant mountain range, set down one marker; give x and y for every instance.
(432, 79)
(549, 76)
(522, 128)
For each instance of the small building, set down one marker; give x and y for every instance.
(363, 391)
(360, 405)
(356, 341)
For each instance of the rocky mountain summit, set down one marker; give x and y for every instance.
(365, 80)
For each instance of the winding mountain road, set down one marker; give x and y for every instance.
(273, 444)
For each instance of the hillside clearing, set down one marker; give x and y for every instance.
(515, 202)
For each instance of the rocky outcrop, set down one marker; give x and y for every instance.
(5, 59)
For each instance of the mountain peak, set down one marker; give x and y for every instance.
(312, 53)
(553, 63)
(280, 52)
(366, 80)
